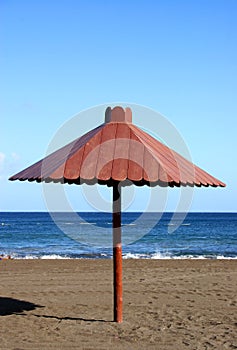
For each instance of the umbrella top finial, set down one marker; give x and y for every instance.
(118, 115)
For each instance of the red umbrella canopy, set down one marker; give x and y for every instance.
(117, 151)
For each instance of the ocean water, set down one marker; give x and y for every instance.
(89, 235)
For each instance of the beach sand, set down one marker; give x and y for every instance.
(168, 304)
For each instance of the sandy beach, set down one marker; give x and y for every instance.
(168, 304)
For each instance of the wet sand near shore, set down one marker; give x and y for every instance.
(168, 304)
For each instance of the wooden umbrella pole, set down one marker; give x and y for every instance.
(117, 254)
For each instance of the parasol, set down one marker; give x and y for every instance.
(117, 153)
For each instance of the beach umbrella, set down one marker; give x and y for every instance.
(117, 153)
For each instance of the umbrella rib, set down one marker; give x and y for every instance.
(129, 154)
(135, 156)
(98, 154)
(115, 138)
(120, 168)
(116, 129)
(106, 153)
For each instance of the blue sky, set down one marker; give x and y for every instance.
(179, 58)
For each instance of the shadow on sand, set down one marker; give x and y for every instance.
(72, 318)
(10, 306)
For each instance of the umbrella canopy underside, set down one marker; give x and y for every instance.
(117, 151)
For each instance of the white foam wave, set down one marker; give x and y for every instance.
(163, 256)
(146, 256)
(53, 256)
(33, 257)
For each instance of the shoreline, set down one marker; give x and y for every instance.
(128, 256)
(68, 303)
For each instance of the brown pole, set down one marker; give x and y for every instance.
(117, 254)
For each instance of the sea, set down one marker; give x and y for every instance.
(43, 235)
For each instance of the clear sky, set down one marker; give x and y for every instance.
(179, 58)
